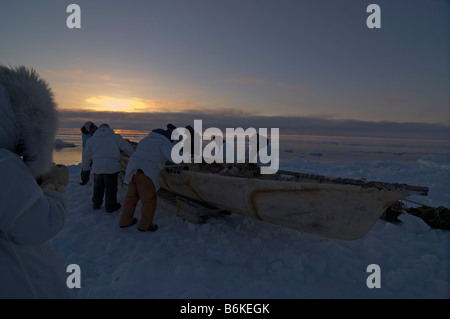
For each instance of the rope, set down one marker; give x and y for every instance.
(414, 202)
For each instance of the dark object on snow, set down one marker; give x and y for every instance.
(392, 212)
(171, 127)
(84, 177)
(435, 217)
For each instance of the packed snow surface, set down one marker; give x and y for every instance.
(238, 257)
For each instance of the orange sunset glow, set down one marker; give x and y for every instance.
(108, 103)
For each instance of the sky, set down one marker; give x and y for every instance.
(306, 67)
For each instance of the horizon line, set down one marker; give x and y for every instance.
(290, 125)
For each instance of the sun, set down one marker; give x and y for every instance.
(112, 104)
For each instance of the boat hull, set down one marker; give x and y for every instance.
(338, 211)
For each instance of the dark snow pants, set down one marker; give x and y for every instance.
(105, 185)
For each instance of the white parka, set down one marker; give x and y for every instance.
(29, 219)
(103, 149)
(152, 153)
(29, 216)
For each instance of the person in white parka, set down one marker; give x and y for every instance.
(142, 174)
(102, 156)
(33, 203)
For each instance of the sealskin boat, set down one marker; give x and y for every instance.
(336, 208)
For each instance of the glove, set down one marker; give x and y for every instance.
(56, 179)
(84, 176)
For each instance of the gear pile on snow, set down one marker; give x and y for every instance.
(435, 217)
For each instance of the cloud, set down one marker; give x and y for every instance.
(261, 81)
(168, 106)
(139, 105)
(113, 84)
(106, 103)
(247, 80)
(299, 88)
(76, 74)
(80, 74)
(78, 78)
(292, 125)
(224, 112)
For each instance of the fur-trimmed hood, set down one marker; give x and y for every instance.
(160, 134)
(104, 130)
(28, 117)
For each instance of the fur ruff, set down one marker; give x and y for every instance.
(35, 116)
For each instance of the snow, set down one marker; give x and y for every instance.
(236, 257)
